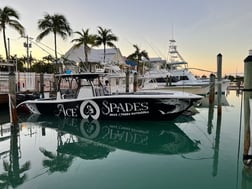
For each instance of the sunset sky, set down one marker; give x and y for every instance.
(202, 28)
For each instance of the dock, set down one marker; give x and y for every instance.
(26, 82)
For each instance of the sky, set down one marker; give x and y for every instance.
(201, 28)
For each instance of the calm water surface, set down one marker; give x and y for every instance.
(199, 151)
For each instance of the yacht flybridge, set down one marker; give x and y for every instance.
(178, 77)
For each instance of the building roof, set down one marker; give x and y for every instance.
(113, 55)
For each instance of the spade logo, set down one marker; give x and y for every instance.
(89, 110)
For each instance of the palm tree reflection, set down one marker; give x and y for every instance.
(13, 174)
(56, 161)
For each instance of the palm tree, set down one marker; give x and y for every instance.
(105, 37)
(85, 39)
(57, 24)
(138, 55)
(10, 17)
(22, 62)
(48, 58)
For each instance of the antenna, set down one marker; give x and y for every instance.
(172, 31)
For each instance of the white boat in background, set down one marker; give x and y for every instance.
(116, 78)
(178, 77)
(161, 80)
(181, 75)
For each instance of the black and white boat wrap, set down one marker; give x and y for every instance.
(146, 104)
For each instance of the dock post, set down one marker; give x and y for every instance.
(12, 99)
(218, 127)
(212, 89)
(247, 150)
(135, 82)
(219, 77)
(211, 103)
(210, 118)
(41, 85)
(127, 80)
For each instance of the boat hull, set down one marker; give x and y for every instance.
(112, 108)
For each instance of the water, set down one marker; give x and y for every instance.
(199, 151)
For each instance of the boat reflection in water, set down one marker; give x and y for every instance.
(96, 139)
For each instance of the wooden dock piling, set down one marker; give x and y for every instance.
(42, 85)
(219, 112)
(212, 89)
(219, 78)
(210, 118)
(127, 80)
(247, 150)
(211, 103)
(135, 83)
(12, 99)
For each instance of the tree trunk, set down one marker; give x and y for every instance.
(55, 48)
(55, 52)
(104, 52)
(5, 45)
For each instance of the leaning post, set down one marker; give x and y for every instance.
(247, 150)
